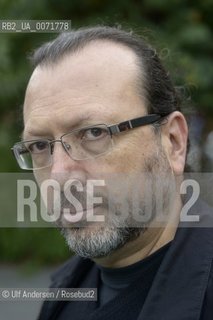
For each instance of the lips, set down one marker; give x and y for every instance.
(73, 212)
(84, 216)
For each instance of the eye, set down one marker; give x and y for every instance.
(94, 133)
(22, 149)
(38, 146)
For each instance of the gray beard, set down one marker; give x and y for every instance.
(98, 243)
(95, 241)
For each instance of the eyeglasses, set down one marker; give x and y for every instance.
(80, 144)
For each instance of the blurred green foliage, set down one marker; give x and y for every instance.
(34, 246)
(182, 32)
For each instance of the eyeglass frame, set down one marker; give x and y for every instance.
(113, 130)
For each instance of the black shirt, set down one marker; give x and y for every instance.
(113, 280)
(117, 287)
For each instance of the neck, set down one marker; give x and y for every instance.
(147, 243)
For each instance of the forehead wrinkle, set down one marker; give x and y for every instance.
(65, 111)
(67, 98)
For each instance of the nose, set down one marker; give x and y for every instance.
(64, 167)
(61, 160)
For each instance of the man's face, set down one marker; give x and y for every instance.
(94, 86)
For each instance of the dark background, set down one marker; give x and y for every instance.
(182, 32)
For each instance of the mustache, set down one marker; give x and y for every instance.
(74, 199)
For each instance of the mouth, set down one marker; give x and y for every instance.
(85, 216)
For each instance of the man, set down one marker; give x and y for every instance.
(100, 107)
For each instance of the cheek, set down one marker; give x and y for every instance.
(126, 157)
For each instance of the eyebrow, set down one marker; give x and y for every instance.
(82, 122)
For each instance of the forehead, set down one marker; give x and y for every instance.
(102, 77)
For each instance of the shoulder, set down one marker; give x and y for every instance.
(207, 310)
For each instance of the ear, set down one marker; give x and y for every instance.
(174, 140)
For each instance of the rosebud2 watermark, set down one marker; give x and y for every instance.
(54, 189)
(74, 202)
